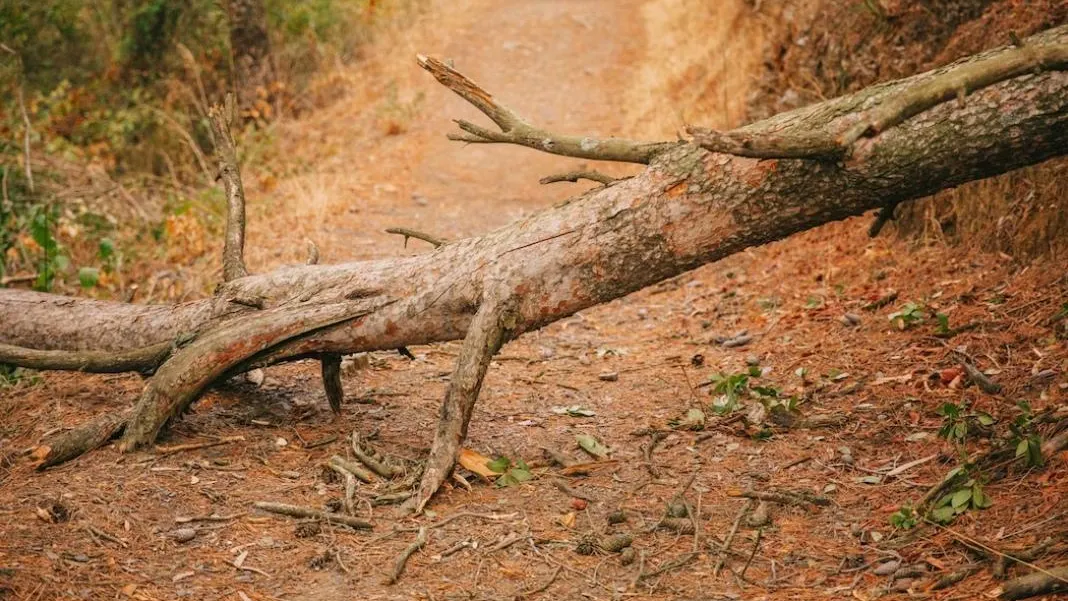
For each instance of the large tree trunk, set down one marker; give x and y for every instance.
(688, 208)
(250, 46)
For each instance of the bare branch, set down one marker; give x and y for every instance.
(885, 214)
(834, 142)
(222, 118)
(489, 329)
(514, 130)
(409, 233)
(89, 361)
(575, 176)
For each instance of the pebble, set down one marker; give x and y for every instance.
(184, 535)
(608, 376)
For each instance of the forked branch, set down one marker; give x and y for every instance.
(515, 130)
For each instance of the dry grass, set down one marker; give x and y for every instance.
(699, 65)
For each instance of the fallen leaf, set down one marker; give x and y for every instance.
(476, 463)
(568, 520)
(593, 446)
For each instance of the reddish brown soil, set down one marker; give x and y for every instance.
(563, 64)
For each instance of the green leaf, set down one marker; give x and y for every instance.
(88, 277)
(592, 446)
(755, 371)
(1021, 448)
(520, 475)
(106, 249)
(980, 498)
(985, 418)
(943, 515)
(961, 497)
(499, 465)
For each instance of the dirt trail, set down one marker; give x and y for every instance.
(637, 362)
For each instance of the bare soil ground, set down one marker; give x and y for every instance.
(104, 526)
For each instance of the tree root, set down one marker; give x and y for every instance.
(489, 329)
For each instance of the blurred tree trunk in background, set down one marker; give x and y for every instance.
(251, 48)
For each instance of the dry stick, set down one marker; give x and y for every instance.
(350, 487)
(837, 140)
(976, 375)
(409, 233)
(296, 511)
(352, 468)
(647, 452)
(89, 361)
(730, 538)
(667, 566)
(796, 498)
(368, 458)
(575, 176)
(165, 451)
(330, 364)
(85, 438)
(514, 130)
(971, 542)
(221, 119)
(489, 329)
(402, 559)
(542, 588)
(756, 545)
(1001, 566)
(1054, 580)
(571, 492)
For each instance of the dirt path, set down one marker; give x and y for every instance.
(636, 363)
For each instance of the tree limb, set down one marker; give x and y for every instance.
(489, 330)
(514, 130)
(575, 176)
(222, 119)
(836, 141)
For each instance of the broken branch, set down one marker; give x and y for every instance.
(575, 176)
(514, 130)
(402, 559)
(296, 511)
(409, 233)
(221, 119)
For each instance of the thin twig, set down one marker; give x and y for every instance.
(402, 559)
(165, 451)
(410, 233)
(756, 545)
(575, 176)
(297, 511)
(542, 587)
(730, 538)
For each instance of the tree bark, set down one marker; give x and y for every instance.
(689, 207)
(250, 46)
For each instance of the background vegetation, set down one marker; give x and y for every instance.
(114, 96)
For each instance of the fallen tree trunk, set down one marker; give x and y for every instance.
(688, 208)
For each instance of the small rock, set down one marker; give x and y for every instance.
(608, 376)
(579, 504)
(752, 361)
(850, 320)
(280, 442)
(183, 535)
